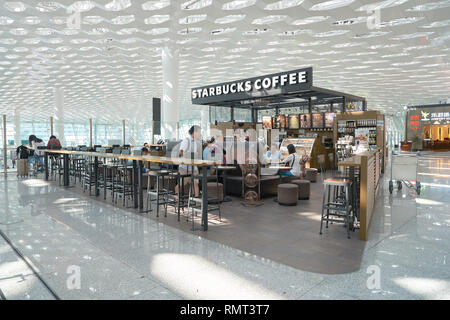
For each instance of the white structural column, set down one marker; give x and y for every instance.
(17, 140)
(169, 105)
(205, 119)
(59, 117)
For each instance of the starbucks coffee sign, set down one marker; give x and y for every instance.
(258, 87)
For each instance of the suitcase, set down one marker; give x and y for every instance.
(22, 168)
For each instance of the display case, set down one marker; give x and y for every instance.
(300, 144)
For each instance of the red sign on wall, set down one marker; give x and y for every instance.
(414, 122)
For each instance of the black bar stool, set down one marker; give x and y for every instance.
(160, 191)
(336, 203)
(179, 200)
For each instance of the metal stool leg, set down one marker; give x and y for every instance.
(347, 209)
(323, 207)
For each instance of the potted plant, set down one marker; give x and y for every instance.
(415, 142)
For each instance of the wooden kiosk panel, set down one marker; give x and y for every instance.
(374, 116)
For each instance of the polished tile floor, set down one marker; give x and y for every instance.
(87, 249)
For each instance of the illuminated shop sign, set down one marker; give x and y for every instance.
(268, 85)
(435, 116)
(414, 122)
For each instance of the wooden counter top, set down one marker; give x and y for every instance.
(355, 160)
(168, 160)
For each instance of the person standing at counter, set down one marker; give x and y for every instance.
(293, 161)
(53, 143)
(191, 148)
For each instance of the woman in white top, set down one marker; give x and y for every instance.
(293, 161)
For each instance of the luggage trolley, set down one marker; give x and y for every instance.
(404, 170)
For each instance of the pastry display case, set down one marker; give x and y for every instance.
(300, 144)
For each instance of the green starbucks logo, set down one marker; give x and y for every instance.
(425, 115)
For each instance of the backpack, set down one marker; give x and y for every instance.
(54, 144)
(22, 152)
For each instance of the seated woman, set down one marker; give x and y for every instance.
(293, 161)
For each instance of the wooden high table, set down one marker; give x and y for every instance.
(138, 165)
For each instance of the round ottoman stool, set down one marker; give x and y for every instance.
(213, 188)
(303, 188)
(311, 174)
(287, 194)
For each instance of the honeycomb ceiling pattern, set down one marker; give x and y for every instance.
(109, 65)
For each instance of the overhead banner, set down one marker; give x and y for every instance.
(258, 87)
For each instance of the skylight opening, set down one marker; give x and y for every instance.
(118, 5)
(155, 5)
(309, 20)
(330, 5)
(192, 19)
(157, 19)
(269, 19)
(15, 6)
(283, 4)
(195, 4)
(238, 4)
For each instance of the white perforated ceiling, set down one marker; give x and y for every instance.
(110, 67)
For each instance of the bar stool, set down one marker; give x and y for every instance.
(352, 174)
(212, 203)
(337, 203)
(123, 185)
(77, 169)
(87, 178)
(159, 192)
(177, 200)
(56, 167)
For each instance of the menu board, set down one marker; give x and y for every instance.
(317, 120)
(305, 120)
(267, 122)
(329, 119)
(281, 121)
(293, 122)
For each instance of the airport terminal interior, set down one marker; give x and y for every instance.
(225, 149)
